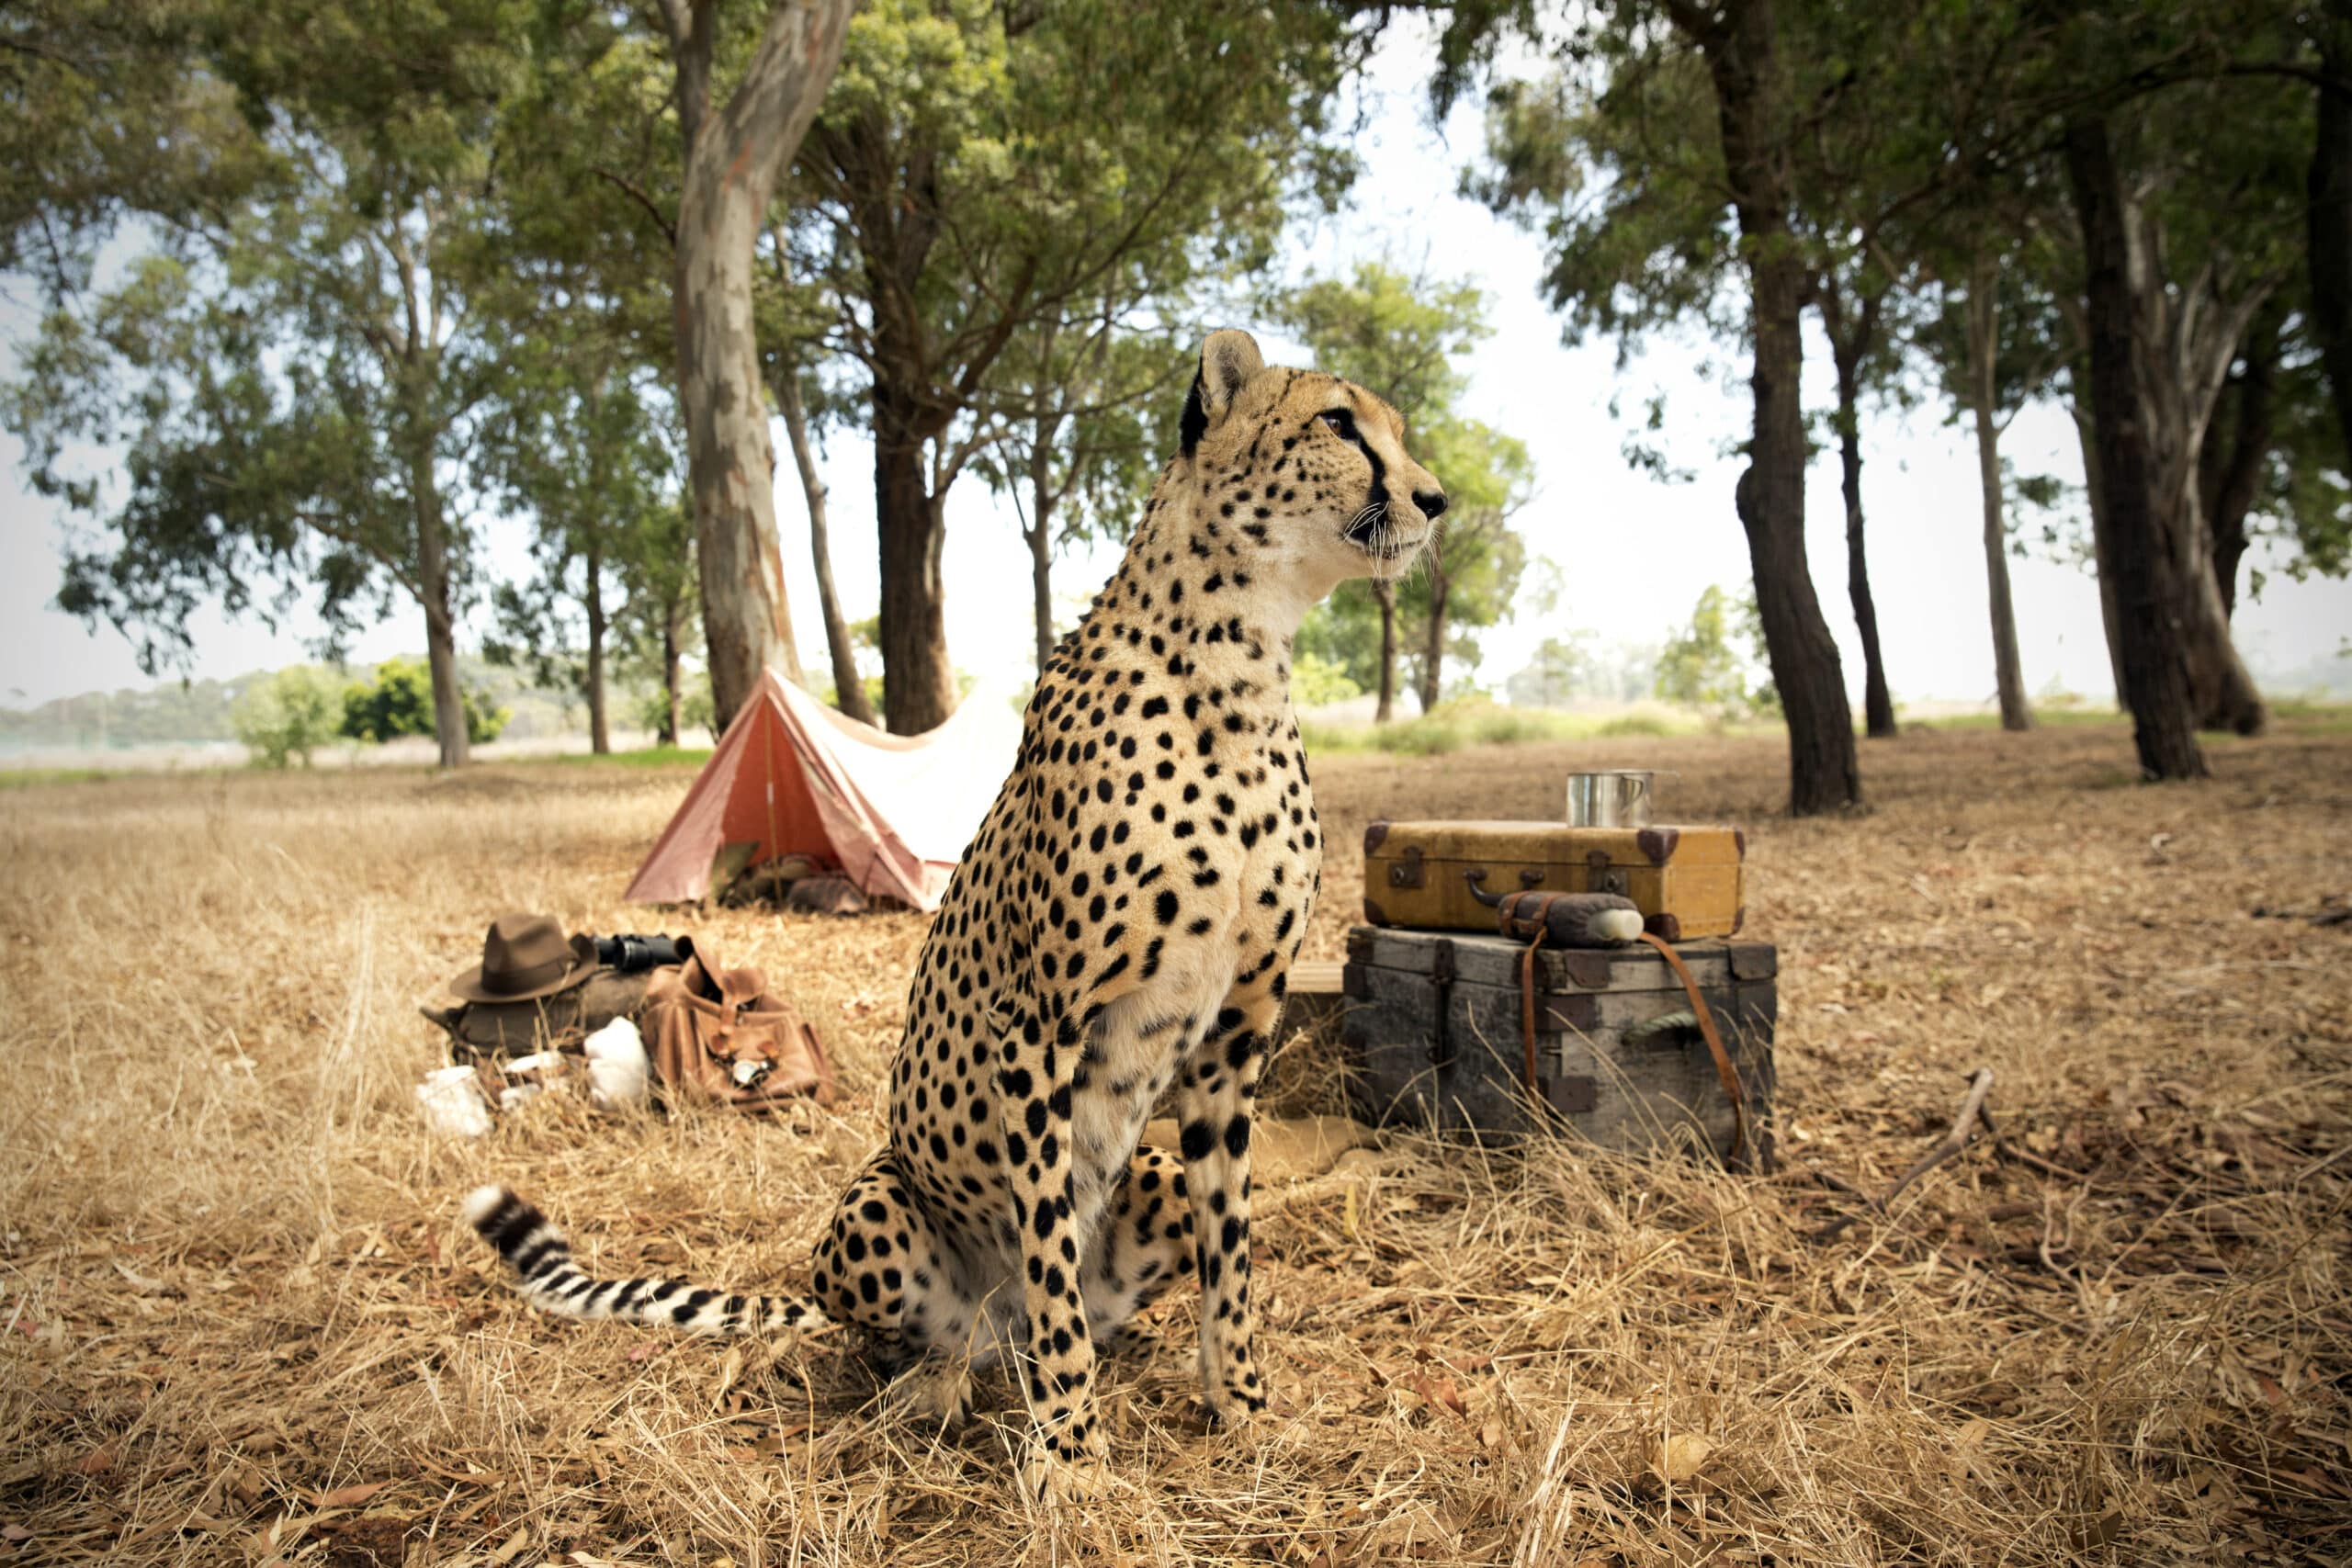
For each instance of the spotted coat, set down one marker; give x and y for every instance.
(1120, 930)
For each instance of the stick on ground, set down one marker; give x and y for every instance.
(1948, 1147)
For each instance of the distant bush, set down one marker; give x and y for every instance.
(1429, 736)
(1315, 680)
(398, 701)
(651, 708)
(1633, 724)
(285, 718)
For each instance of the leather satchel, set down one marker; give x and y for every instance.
(717, 1036)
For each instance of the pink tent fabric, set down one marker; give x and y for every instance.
(793, 776)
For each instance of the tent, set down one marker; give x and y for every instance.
(791, 775)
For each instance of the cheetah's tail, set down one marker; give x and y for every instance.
(552, 1282)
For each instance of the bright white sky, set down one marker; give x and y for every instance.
(1635, 552)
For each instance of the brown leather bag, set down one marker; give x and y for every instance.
(715, 1035)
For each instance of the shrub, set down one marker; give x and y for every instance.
(398, 701)
(1315, 680)
(286, 716)
(1633, 724)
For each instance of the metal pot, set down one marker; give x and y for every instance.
(1613, 797)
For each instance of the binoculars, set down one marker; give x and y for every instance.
(634, 954)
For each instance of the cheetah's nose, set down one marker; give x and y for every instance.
(1430, 502)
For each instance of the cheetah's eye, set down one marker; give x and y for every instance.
(1341, 422)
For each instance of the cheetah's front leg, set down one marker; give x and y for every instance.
(1216, 1094)
(1065, 1459)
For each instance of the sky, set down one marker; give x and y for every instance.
(1635, 552)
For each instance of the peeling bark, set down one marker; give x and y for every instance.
(440, 621)
(2229, 469)
(2155, 680)
(733, 158)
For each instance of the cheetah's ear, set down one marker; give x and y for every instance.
(1228, 358)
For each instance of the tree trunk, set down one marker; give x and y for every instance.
(917, 681)
(1433, 639)
(733, 158)
(672, 679)
(440, 621)
(2156, 686)
(1823, 775)
(1877, 705)
(2008, 669)
(1385, 593)
(2102, 553)
(2329, 233)
(600, 733)
(2229, 469)
(1041, 586)
(849, 688)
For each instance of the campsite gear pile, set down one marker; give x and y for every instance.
(888, 815)
(1514, 976)
(546, 1012)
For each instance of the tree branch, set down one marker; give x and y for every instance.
(666, 227)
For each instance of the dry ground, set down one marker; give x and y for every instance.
(233, 1296)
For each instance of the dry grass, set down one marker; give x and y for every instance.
(231, 1285)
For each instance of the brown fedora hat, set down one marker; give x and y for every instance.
(525, 956)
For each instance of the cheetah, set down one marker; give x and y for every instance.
(1122, 925)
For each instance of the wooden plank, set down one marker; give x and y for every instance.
(1316, 993)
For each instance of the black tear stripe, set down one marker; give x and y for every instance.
(1195, 423)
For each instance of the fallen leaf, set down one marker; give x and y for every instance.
(1438, 1391)
(1680, 1456)
(96, 1462)
(145, 1282)
(349, 1496)
(17, 1534)
(513, 1548)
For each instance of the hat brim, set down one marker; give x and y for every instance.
(469, 986)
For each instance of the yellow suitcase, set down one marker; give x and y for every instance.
(1685, 880)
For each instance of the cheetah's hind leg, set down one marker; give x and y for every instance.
(1145, 1241)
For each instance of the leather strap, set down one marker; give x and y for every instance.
(1724, 1070)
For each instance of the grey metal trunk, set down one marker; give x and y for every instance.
(1433, 1022)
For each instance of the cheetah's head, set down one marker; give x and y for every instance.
(1310, 467)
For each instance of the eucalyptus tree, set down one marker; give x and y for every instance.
(735, 151)
(581, 444)
(979, 171)
(290, 366)
(1691, 119)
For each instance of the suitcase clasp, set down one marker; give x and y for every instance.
(1405, 871)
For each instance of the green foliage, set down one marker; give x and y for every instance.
(399, 701)
(1699, 667)
(285, 717)
(1555, 673)
(1399, 336)
(993, 199)
(697, 714)
(1315, 682)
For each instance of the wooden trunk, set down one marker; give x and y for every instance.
(1433, 1025)
(1686, 881)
